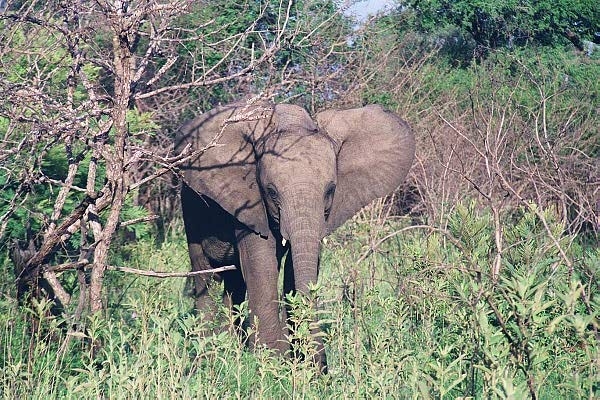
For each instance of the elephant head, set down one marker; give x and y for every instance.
(282, 174)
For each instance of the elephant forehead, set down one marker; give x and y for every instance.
(315, 150)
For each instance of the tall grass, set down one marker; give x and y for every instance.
(421, 317)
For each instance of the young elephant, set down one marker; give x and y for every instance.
(273, 180)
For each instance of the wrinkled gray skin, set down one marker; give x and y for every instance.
(278, 174)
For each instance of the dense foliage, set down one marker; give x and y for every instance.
(487, 288)
(502, 23)
(422, 318)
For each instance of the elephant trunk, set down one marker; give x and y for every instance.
(304, 226)
(305, 243)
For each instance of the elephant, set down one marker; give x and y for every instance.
(272, 180)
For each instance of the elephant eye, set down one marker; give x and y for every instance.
(272, 192)
(329, 192)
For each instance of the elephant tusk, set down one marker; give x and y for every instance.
(283, 242)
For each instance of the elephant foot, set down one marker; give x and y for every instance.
(316, 356)
(273, 339)
(206, 308)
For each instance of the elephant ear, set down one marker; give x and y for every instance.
(226, 171)
(376, 150)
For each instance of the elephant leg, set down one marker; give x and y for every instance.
(203, 282)
(259, 266)
(194, 214)
(234, 294)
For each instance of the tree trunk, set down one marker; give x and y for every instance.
(114, 156)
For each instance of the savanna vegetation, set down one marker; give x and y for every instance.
(477, 279)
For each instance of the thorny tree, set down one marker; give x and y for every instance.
(72, 75)
(534, 145)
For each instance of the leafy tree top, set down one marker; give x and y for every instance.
(499, 23)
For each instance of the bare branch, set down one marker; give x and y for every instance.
(155, 274)
(149, 218)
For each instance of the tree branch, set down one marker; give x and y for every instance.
(170, 274)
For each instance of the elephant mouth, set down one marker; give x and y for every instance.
(285, 238)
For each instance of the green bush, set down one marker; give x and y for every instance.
(421, 317)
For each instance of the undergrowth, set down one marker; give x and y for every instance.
(418, 315)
